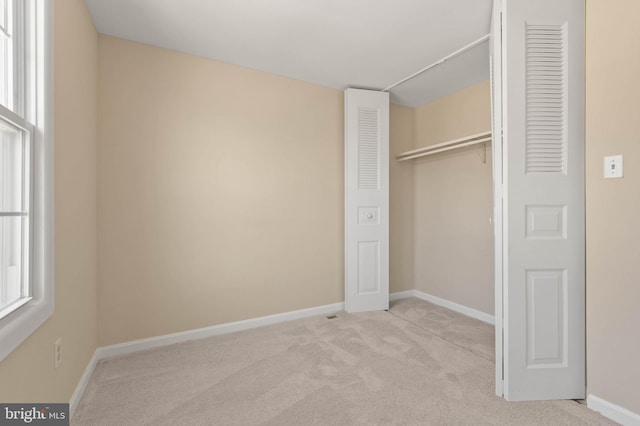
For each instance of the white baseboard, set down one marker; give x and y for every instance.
(200, 333)
(613, 411)
(82, 384)
(401, 295)
(470, 312)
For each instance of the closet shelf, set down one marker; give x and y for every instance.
(480, 138)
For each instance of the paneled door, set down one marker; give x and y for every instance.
(366, 200)
(543, 213)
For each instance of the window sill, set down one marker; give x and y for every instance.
(20, 324)
(14, 307)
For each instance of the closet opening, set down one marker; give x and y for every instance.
(497, 237)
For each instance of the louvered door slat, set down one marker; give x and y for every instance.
(545, 90)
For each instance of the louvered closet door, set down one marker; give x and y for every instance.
(366, 200)
(543, 166)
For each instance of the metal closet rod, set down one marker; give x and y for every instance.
(442, 61)
(445, 146)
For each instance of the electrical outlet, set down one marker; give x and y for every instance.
(57, 353)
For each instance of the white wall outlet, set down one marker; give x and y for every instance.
(613, 167)
(57, 353)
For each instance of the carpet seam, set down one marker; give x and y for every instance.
(441, 337)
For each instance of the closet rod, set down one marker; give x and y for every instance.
(441, 61)
(445, 146)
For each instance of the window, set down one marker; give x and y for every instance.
(15, 193)
(26, 170)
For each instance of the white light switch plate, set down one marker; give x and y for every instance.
(613, 167)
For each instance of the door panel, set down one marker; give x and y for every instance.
(543, 171)
(366, 200)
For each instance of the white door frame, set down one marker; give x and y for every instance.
(496, 149)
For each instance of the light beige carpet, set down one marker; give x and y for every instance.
(414, 365)
(461, 330)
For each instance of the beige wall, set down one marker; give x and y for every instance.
(613, 205)
(220, 193)
(27, 374)
(401, 229)
(453, 248)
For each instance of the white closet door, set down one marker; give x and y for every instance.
(544, 227)
(366, 200)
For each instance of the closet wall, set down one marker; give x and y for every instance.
(401, 200)
(453, 238)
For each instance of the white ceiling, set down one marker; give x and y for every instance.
(335, 43)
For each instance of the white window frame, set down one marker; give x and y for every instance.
(38, 107)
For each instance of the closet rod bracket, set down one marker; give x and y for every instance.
(481, 149)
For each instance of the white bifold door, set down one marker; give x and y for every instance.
(538, 101)
(366, 200)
